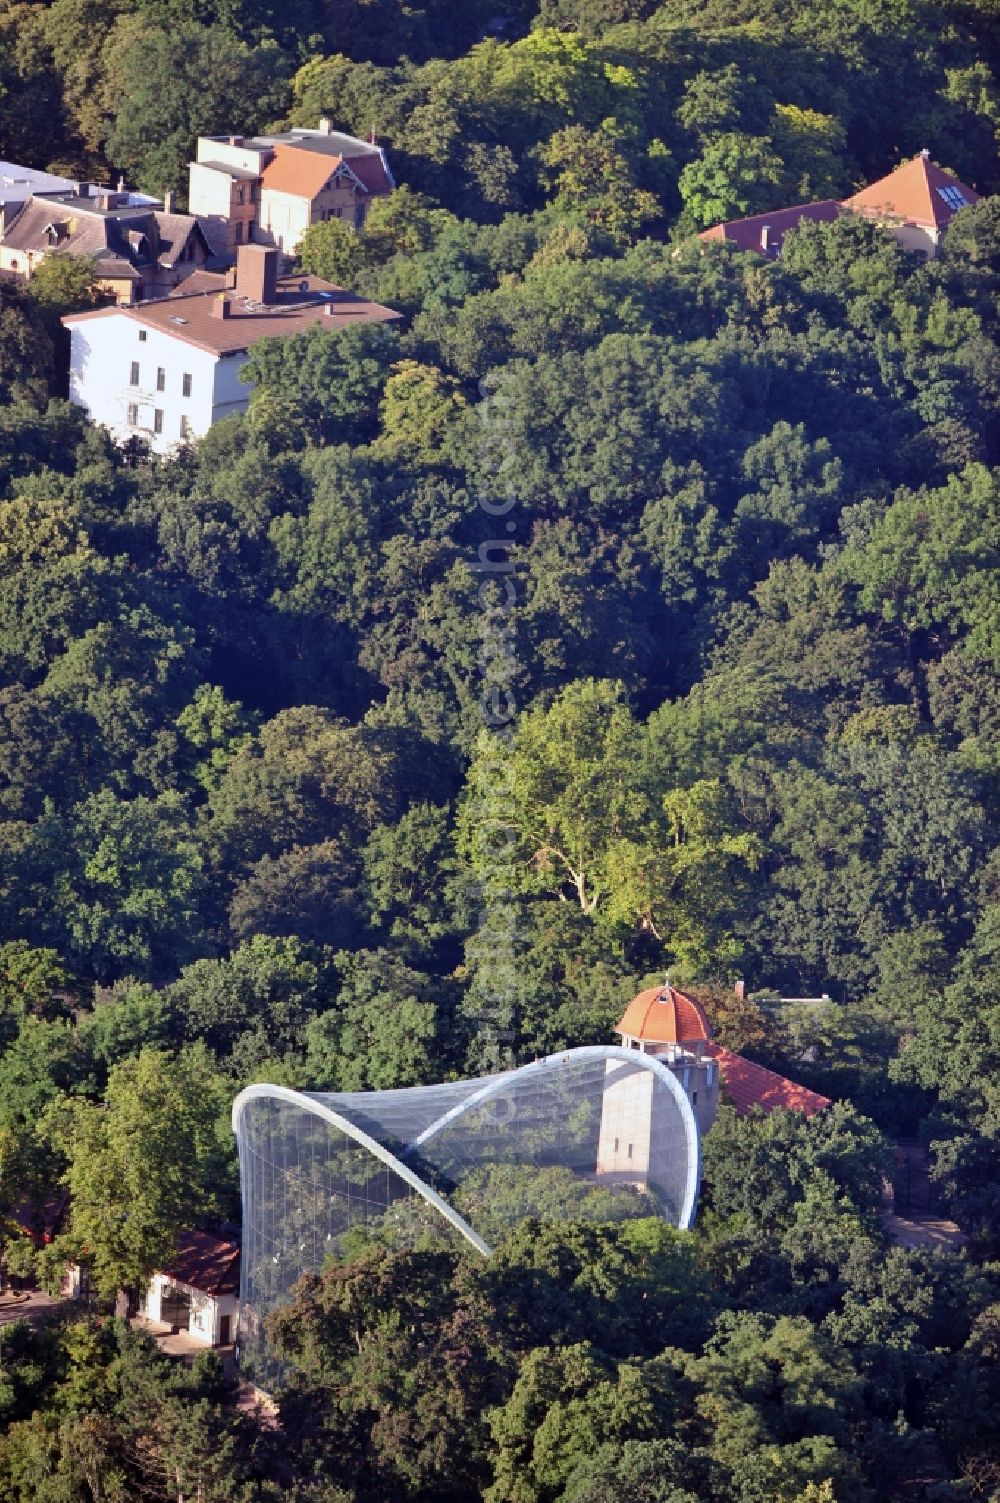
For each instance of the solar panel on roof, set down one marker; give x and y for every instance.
(953, 197)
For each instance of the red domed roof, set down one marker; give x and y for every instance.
(663, 1015)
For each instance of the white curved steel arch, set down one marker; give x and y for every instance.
(310, 1104)
(498, 1083)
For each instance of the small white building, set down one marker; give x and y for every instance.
(200, 1292)
(166, 371)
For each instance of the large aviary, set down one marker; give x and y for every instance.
(598, 1133)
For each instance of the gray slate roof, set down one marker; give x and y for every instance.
(124, 240)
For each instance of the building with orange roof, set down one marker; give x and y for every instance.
(915, 204)
(269, 189)
(663, 1015)
(765, 233)
(673, 1026)
(749, 1086)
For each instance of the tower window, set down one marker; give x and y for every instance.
(694, 1098)
(616, 1145)
(629, 1151)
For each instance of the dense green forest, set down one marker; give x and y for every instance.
(736, 698)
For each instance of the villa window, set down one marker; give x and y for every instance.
(161, 379)
(142, 336)
(629, 1154)
(185, 428)
(133, 379)
(157, 420)
(133, 414)
(186, 384)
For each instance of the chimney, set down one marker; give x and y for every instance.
(221, 307)
(168, 201)
(257, 273)
(765, 237)
(326, 125)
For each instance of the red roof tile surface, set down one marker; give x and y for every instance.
(748, 234)
(919, 192)
(748, 1085)
(207, 1263)
(663, 1015)
(303, 173)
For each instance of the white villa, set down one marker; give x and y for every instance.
(165, 371)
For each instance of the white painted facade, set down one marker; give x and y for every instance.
(635, 1127)
(285, 217)
(75, 1282)
(189, 387)
(208, 1313)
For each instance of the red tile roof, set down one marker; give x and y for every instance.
(748, 1085)
(207, 1263)
(304, 173)
(663, 1015)
(919, 192)
(747, 234)
(371, 171)
(304, 168)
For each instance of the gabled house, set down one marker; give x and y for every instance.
(18, 184)
(198, 1293)
(269, 189)
(142, 252)
(915, 204)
